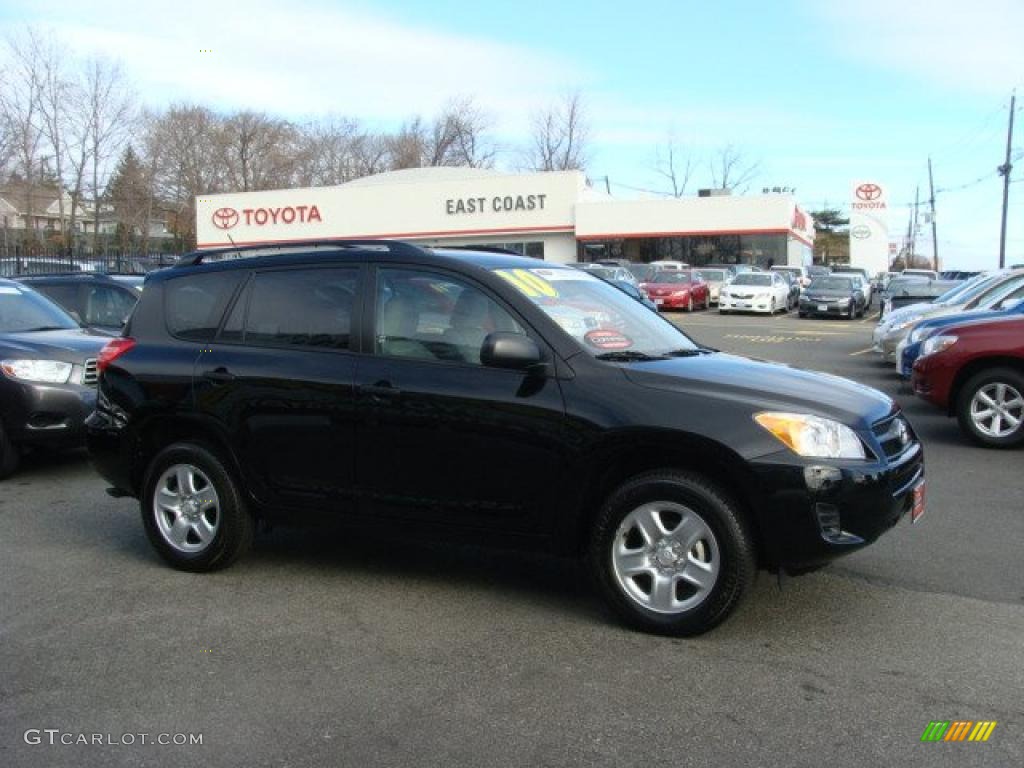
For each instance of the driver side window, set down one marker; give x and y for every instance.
(428, 316)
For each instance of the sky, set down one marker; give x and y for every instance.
(818, 94)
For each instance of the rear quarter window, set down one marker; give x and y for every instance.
(194, 304)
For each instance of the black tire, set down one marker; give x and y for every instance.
(10, 456)
(974, 385)
(850, 312)
(801, 314)
(234, 530)
(733, 548)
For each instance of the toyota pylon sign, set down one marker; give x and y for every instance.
(869, 227)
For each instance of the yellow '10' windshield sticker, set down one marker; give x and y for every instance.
(528, 283)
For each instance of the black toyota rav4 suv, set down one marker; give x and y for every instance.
(455, 392)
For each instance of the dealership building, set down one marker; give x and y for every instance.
(555, 216)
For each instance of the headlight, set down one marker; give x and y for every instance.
(723, 293)
(843, 302)
(43, 371)
(937, 344)
(813, 436)
(899, 325)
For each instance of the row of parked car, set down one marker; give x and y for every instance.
(964, 352)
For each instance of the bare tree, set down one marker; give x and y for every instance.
(560, 136)
(55, 92)
(327, 152)
(109, 111)
(731, 170)
(674, 163)
(20, 111)
(187, 163)
(468, 126)
(257, 151)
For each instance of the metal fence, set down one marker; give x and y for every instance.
(28, 255)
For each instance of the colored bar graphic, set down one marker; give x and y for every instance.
(982, 730)
(958, 730)
(935, 730)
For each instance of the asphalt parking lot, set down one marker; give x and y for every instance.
(351, 649)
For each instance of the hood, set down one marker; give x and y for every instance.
(68, 346)
(764, 386)
(971, 315)
(832, 293)
(660, 287)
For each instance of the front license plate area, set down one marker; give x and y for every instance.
(823, 307)
(917, 507)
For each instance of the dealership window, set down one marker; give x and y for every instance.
(533, 248)
(763, 250)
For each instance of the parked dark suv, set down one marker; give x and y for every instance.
(48, 370)
(99, 302)
(443, 392)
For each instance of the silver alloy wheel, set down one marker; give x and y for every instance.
(690, 307)
(186, 508)
(997, 409)
(665, 557)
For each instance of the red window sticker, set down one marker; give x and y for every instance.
(605, 339)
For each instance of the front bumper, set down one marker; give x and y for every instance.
(671, 302)
(824, 308)
(46, 415)
(733, 304)
(817, 510)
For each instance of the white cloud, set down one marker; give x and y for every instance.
(974, 46)
(305, 58)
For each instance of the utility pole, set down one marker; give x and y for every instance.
(1004, 171)
(931, 201)
(913, 228)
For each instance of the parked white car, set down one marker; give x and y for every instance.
(663, 266)
(754, 292)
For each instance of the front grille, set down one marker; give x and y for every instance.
(894, 435)
(90, 373)
(743, 295)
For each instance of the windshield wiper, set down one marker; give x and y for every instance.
(691, 352)
(628, 356)
(44, 328)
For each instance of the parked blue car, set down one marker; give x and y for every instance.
(1009, 306)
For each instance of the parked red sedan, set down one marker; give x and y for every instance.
(678, 289)
(975, 371)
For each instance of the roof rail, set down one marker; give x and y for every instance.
(480, 248)
(397, 247)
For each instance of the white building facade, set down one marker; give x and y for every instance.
(553, 216)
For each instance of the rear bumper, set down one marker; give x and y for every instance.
(817, 511)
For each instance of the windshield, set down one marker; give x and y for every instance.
(713, 275)
(752, 278)
(605, 273)
(996, 293)
(22, 310)
(968, 290)
(832, 284)
(606, 322)
(670, 277)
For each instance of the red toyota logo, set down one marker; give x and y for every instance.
(869, 192)
(225, 218)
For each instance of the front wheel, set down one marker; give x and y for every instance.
(990, 408)
(689, 304)
(9, 454)
(193, 510)
(671, 553)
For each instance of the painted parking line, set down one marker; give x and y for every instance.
(862, 351)
(769, 338)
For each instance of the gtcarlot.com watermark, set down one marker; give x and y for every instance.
(55, 737)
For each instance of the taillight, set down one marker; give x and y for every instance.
(114, 349)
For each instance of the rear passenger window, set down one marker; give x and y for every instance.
(302, 308)
(194, 304)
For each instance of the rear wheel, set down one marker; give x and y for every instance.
(671, 553)
(990, 408)
(193, 510)
(9, 454)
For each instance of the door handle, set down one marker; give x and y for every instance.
(219, 375)
(381, 390)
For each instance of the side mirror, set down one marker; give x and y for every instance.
(503, 349)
